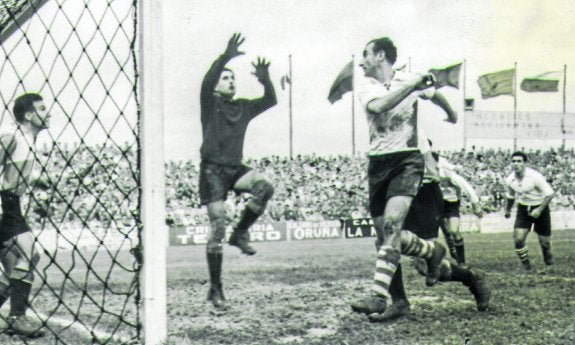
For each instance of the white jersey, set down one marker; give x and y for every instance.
(18, 162)
(530, 190)
(394, 130)
(453, 185)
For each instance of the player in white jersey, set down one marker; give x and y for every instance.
(18, 254)
(452, 187)
(533, 194)
(396, 165)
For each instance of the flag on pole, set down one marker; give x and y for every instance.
(546, 82)
(497, 83)
(342, 84)
(284, 81)
(447, 76)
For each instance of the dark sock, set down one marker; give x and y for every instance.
(215, 268)
(451, 245)
(396, 289)
(460, 250)
(460, 274)
(19, 293)
(248, 218)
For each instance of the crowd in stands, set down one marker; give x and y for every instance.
(99, 185)
(315, 188)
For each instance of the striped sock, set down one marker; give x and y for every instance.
(385, 266)
(412, 245)
(523, 254)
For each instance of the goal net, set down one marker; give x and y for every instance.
(80, 56)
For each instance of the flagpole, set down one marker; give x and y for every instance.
(515, 108)
(464, 111)
(564, 106)
(352, 108)
(290, 111)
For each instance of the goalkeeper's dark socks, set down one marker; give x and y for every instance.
(19, 293)
(247, 219)
(215, 267)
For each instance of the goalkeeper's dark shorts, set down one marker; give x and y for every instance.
(426, 211)
(216, 180)
(12, 223)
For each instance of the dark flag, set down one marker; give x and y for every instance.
(342, 84)
(546, 82)
(448, 76)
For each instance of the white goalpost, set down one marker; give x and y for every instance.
(155, 231)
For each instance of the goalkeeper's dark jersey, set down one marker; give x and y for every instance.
(224, 121)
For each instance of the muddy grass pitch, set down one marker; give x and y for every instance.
(300, 293)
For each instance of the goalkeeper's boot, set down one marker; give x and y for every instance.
(216, 296)
(24, 326)
(241, 240)
(370, 305)
(395, 311)
(480, 290)
(434, 265)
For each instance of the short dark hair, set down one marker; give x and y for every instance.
(24, 104)
(385, 44)
(519, 154)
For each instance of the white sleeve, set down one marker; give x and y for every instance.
(369, 89)
(459, 181)
(427, 93)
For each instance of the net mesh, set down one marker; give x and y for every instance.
(83, 206)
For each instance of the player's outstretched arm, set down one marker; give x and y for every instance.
(393, 98)
(440, 100)
(269, 99)
(213, 75)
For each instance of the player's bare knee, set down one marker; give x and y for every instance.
(391, 225)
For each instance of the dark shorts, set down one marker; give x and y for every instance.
(217, 180)
(426, 212)
(396, 174)
(12, 222)
(542, 225)
(451, 209)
